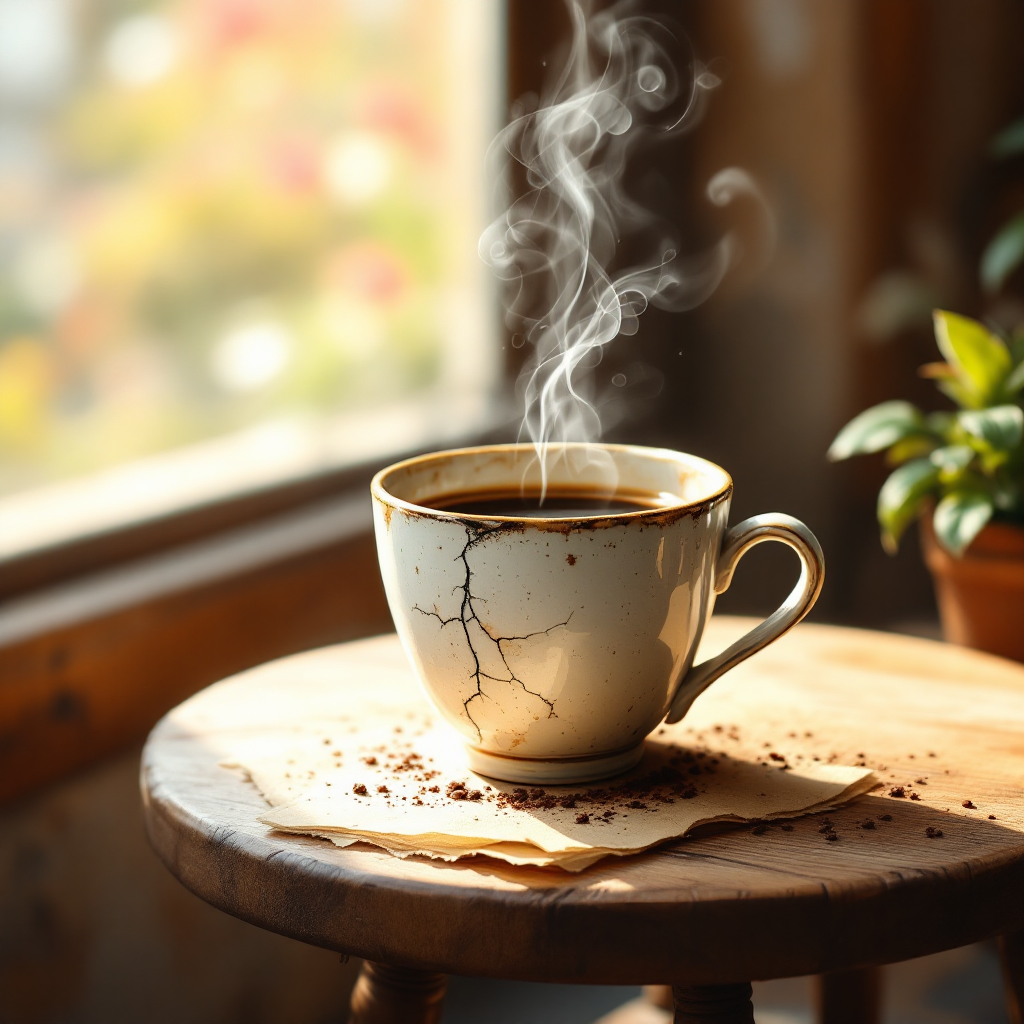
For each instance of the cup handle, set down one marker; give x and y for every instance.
(736, 543)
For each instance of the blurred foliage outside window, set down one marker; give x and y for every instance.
(216, 214)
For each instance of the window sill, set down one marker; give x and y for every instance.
(155, 503)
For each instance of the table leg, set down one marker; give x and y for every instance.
(713, 1004)
(660, 996)
(850, 997)
(397, 995)
(1011, 951)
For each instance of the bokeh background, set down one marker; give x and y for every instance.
(241, 235)
(220, 214)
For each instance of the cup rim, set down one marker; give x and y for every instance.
(380, 492)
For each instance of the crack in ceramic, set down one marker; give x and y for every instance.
(475, 535)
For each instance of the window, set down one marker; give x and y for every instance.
(237, 245)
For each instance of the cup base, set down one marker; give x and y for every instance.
(555, 772)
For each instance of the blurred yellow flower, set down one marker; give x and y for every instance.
(26, 380)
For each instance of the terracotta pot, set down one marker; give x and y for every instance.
(981, 595)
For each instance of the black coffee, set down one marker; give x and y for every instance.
(554, 507)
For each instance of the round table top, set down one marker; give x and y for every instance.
(945, 723)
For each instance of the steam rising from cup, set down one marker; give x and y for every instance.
(554, 246)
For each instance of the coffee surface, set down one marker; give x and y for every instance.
(554, 507)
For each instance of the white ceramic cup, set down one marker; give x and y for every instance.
(554, 646)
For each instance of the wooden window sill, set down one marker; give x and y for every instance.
(88, 666)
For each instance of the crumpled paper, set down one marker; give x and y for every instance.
(368, 760)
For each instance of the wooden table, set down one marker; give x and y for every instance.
(706, 914)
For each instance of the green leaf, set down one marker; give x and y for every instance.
(941, 424)
(980, 358)
(876, 428)
(1003, 254)
(912, 447)
(959, 518)
(1009, 141)
(900, 498)
(963, 397)
(1000, 427)
(948, 381)
(953, 459)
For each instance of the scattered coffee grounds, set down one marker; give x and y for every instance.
(921, 782)
(664, 785)
(933, 833)
(914, 796)
(897, 791)
(969, 804)
(680, 777)
(458, 791)
(991, 817)
(869, 824)
(885, 817)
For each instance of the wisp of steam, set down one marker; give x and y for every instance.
(554, 245)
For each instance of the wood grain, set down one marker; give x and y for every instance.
(719, 909)
(77, 690)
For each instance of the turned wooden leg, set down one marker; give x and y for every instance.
(397, 995)
(1011, 951)
(850, 997)
(713, 1004)
(660, 996)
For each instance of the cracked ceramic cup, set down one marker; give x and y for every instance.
(554, 646)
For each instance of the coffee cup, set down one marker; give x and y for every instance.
(554, 635)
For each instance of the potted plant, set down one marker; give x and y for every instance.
(962, 474)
